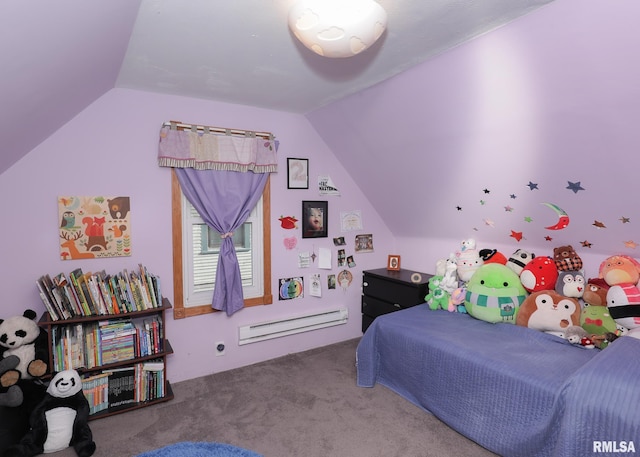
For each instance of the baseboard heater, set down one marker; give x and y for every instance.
(291, 325)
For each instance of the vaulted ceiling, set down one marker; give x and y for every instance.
(58, 57)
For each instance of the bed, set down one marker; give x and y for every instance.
(513, 390)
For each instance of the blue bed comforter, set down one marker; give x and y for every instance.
(513, 390)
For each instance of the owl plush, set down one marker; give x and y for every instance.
(570, 284)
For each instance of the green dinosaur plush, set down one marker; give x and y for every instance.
(437, 298)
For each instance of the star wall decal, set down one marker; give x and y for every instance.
(528, 219)
(548, 238)
(586, 244)
(489, 222)
(459, 208)
(625, 220)
(482, 202)
(532, 185)
(486, 191)
(598, 224)
(516, 235)
(508, 209)
(631, 244)
(513, 196)
(574, 186)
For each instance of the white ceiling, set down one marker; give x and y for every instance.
(243, 52)
(58, 57)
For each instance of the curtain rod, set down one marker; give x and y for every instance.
(205, 128)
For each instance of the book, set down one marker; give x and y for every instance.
(122, 386)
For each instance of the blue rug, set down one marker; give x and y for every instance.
(187, 449)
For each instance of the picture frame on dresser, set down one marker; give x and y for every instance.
(393, 262)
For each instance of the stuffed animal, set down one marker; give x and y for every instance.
(21, 336)
(437, 298)
(456, 300)
(595, 293)
(450, 277)
(492, 256)
(494, 294)
(619, 269)
(539, 274)
(519, 259)
(566, 258)
(549, 312)
(596, 320)
(570, 283)
(60, 420)
(468, 260)
(623, 303)
(575, 334)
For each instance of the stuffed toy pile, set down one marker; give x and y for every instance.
(24, 355)
(547, 293)
(36, 416)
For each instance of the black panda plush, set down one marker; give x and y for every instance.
(60, 420)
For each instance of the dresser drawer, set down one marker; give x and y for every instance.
(374, 307)
(394, 290)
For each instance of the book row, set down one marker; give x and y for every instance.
(120, 387)
(93, 344)
(81, 294)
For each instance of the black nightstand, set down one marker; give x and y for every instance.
(385, 291)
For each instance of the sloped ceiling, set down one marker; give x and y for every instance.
(58, 57)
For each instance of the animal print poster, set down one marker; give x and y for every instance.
(94, 227)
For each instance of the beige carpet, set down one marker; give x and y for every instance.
(300, 405)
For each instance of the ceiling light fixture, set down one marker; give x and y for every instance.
(337, 28)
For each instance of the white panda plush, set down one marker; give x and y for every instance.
(60, 420)
(21, 336)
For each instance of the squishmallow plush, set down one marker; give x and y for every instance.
(595, 293)
(467, 261)
(492, 256)
(494, 294)
(570, 284)
(550, 312)
(623, 303)
(539, 274)
(519, 259)
(596, 320)
(619, 269)
(566, 258)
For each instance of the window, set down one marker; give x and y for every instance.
(195, 256)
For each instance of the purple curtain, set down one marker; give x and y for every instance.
(224, 199)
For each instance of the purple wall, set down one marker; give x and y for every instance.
(110, 148)
(550, 98)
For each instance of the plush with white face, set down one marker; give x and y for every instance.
(65, 384)
(623, 302)
(570, 284)
(549, 312)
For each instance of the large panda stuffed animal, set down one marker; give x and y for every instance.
(59, 421)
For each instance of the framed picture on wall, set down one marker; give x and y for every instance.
(393, 263)
(297, 173)
(314, 219)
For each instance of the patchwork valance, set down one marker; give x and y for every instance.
(209, 148)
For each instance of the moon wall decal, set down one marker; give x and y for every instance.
(563, 218)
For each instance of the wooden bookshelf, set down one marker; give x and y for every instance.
(157, 355)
